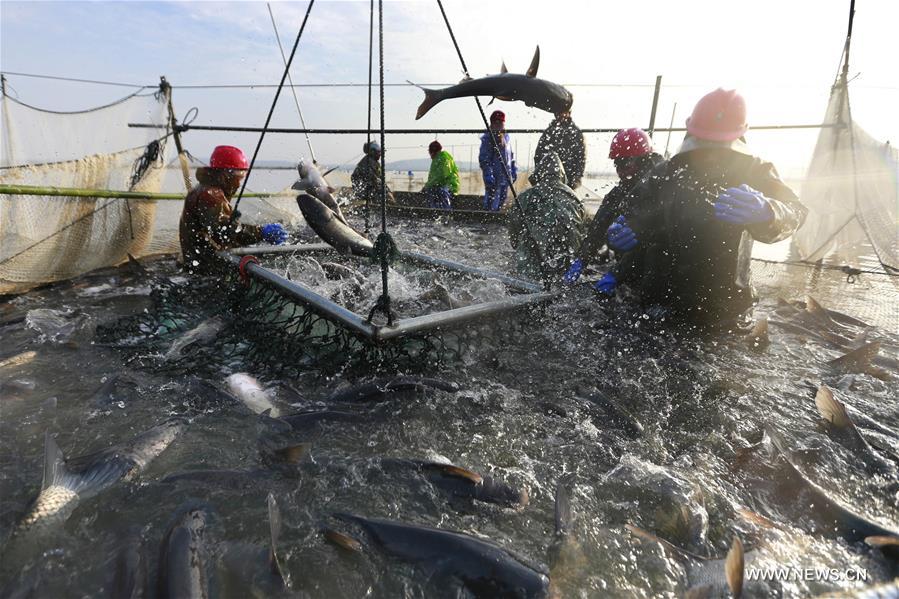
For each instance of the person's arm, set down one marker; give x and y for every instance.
(485, 154)
(217, 217)
(433, 174)
(789, 212)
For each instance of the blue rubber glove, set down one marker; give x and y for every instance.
(489, 179)
(743, 206)
(274, 233)
(574, 272)
(606, 285)
(514, 172)
(621, 237)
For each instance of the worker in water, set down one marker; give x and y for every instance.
(496, 159)
(366, 177)
(634, 159)
(546, 225)
(207, 225)
(689, 246)
(565, 139)
(443, 178)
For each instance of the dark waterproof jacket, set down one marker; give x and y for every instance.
(366, 180)
(614, 204)
(565, 139)
(686, 258)
(206, 228)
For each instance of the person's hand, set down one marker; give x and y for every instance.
(743, 205)
(274, 234)
(574, 272)
(621, 237)
(606, 285)
(489, 179)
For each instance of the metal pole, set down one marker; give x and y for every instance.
(655, 105)
(673, 110)
(176, 133)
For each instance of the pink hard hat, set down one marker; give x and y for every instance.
(228, 157)
(719, 116)
(630, 142)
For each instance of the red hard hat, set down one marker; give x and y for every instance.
(630, 142)
(719, 116)
(498, 115)
(434, 146)
(228, 157)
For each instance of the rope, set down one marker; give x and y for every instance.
(489, 132)
(292, 87)
(371, 51)
(384, 247)
(73, 160)
(110, 105)
(849, 270)
(272, 109)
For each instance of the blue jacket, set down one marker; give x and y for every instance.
(490, 161)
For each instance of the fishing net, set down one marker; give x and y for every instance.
(51, 238)
(851, 191)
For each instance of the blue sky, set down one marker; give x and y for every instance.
(782, 55)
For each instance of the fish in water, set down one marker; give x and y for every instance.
(248, 390)
(313, 183)
(860, 360)
(129, 575)
(380, 389)
(567, 562)
(617, 416)
(846, 522)
(526, 88)
(203, 333)
(18, 359)
(840, 428)
(332, 230)
(440, 293)
(55, 325)
(65, 485)
(232, 479)
(757, 338)
(308, 420)
(254, 569)
(184, 560)
(336, 271)
(481, 568)
(706, 577)
(462, 482)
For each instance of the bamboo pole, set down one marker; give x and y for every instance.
(655, 105)
(176, 133)
(76, 192)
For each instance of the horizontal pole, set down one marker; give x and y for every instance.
(77, 192)
(436, 131)
(514, 283)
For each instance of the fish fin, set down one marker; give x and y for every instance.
(135, 265)
(432, 97)
(342, 540)
(755, 518)
(55, 472)
(703, 591)
(857, 360)
(535, 64)
(759, 333)
(882, 541)
(459, 472)
(492, 100)
(813, 307)
(563, 507)
(734, 566)
(274, 524)
(275, 424)
(504, 69)
(292, 454)
(648, 536)
(300, 185)
(831, 409)
(330, 170)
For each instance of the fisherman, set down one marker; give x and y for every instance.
(443, 178)
(366, 177)
(565, 139)
(546, 225)
(632, 153)
(689, 245)
(495, 164)
(207, 225)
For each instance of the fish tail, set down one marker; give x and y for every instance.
(274, 523)
(344, 541)
(734, 567)
(432, 97)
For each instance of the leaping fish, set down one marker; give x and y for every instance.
(526, 88)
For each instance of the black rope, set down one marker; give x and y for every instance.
(384, 247)
(74, 160)
(849, 270)
(546, 279)
(272, 109)
(371, 51)
(88, 110)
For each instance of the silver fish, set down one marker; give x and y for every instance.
(313, 183)
(526, 88)
(184, 559)
(202, 333)
(328, 225)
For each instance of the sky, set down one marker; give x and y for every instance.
(782, 55)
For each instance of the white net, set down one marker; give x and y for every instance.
(852, 193)
(51, 238)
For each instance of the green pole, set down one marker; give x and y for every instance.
(75, 192)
